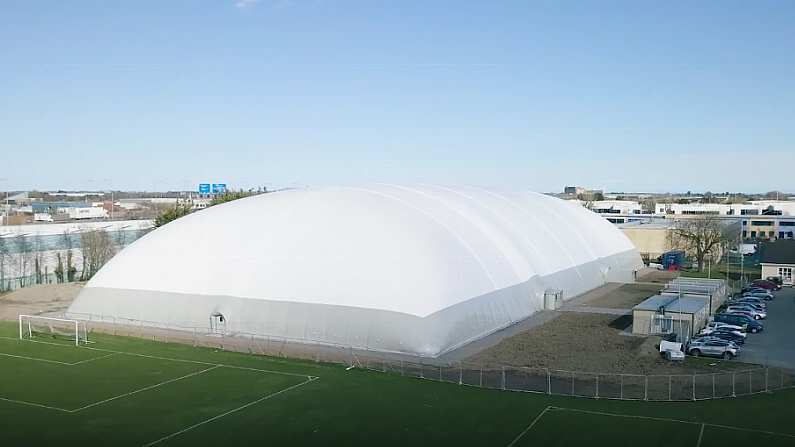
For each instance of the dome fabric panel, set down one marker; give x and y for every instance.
(416, 269)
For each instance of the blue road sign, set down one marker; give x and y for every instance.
(204, 188)
(219, 188)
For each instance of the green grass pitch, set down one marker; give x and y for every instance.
(130, 392)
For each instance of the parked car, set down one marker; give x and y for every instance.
(718, 325)
(755, 289)
(737, 339)
(712, 347)
(765, 284)
(753, 304)
(767, 296)
(748, 323)
(747, 310)
(710, 331)
(751, 299)
(775, 279)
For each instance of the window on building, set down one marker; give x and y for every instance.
(749, 212)
(745, 222)
(762, 223)
(745, 234)
(771, 233)
(753, 234)
(786, 224)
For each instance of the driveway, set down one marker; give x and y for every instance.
(775, 346)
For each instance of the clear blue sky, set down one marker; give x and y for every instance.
(636, 95)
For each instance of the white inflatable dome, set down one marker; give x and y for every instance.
(419, 270)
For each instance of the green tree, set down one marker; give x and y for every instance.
(230, 196)
(172, 214)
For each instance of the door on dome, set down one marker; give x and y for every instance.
(217, 323)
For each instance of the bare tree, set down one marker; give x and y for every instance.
(97, 248)
(699, 237)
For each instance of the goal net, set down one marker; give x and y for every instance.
(32, 327)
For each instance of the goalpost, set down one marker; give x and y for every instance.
(32, 325)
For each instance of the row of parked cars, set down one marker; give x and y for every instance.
(729, 329)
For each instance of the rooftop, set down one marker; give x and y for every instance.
(778, 252)
(672, 304)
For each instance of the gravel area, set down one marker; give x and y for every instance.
(626, 296)
(593, 343)
(35, 300)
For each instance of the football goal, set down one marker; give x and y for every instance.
(33, 326)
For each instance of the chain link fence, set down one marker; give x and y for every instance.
(669, 387)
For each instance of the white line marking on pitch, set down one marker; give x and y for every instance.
(198, 362)
(34, 359)
(91, 360)
(33, 404)
(527, 429)
(234, 410)
(653, 418)
(700, 436)
(37, 359)
(186, 376)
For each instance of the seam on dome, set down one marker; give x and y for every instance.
(447, 204)
(447, 228)
(522, 234)
(550, 209)
(502, 219)
(543, 225)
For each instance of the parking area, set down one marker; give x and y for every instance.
(775, 346)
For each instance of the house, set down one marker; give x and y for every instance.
(778, 259)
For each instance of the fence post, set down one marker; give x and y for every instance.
(549, 382)
(572, 383)
(713, 385)
(750, 384)
(597, 386)
(646, 388)
(734, 394)
(422, 370)
(781, 374)
(440, 373)
(670, 378)
(384, 365)
(767, 370)
(621, 386)
(694, 387)
(460, 373)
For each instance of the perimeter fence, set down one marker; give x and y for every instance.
(641, 387)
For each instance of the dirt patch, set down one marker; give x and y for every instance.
(591, 342)
(41, 299)
(626, 296)
(657, 276)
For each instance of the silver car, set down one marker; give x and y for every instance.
(713, 347)
(756, 313)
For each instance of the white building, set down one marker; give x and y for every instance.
(419, 270)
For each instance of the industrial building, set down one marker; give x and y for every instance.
(417, 270)
(665, 314)
(682, 307)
